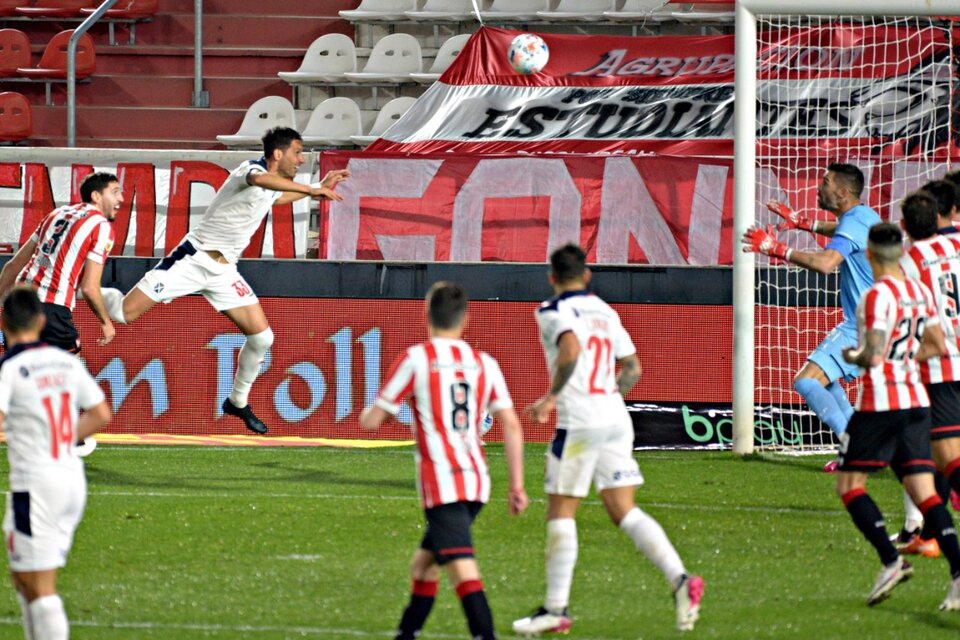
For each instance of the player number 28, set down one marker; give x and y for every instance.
(903, 348)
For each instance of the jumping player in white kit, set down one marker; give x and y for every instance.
(205, 261)
(42, 390)
(584, 341)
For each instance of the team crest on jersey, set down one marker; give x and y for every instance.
(24, 372)
(158, 288)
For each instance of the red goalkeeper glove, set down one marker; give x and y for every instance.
(760, 240)
(791, 219)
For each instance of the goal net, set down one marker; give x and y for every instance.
(873, 91)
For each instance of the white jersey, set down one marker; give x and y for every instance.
(450, 385)
(42, 390)
(936, 263)
(901, 310)
(235, 213)
(590, 399)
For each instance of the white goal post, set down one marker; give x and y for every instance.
(749, 12)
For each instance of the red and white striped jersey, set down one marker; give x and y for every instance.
(902, 310)
(42, 390)
(450, 385)
(936, 263)
(66, 239)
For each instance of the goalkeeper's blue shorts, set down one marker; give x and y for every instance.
(829, 354)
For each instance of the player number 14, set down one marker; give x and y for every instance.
(61, 423)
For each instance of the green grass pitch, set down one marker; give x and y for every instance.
(271, 543)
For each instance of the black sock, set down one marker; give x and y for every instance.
(415, 615)
(475, 606)
(942, 486)
(941, 526)
(866, 515)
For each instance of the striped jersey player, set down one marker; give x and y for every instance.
(42, 391)
(67, 252)
(450, 386)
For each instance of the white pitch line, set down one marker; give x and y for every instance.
(334, 496)
(246, 628)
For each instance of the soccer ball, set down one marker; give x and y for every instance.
(528, 54)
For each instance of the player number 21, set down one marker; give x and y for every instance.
(61, 423)
(602, 350)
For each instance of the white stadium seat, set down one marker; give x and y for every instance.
(379, 10)
(578, 10)
(332, 124)
(263, 115)
(448, 51)
(515, 10)
(393, 59)
(326, 60)
(657, 10)
(390, 113)
(444, 10)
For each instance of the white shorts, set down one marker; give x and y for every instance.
(187, 270)
(38, 525)
(603, 456)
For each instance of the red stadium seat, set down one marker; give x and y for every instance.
(14, 52)
(129, 10)
(53, 9)
(53, 64)
(16, 120)
(9, 7)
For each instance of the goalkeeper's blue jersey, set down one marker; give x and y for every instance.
(850, 241)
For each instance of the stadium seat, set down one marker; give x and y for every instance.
(128, 10)
(657, 10)
(379, 10)
(515, 10)
(448, 51)
(393, 59)
(16, 119)
(333, 123)
(444, 10)
(264, 114)
(719, 13)
(53, 9)
(53, 63)
(14, 52)
(390, 113)
(326, 60)
(578, 10)
(9, 7)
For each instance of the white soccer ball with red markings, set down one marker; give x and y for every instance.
(528, 54)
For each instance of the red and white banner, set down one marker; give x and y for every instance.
(164, 192)
(885, 88)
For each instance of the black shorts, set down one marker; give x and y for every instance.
(899, 439)
(448, 530)
(944, 410)
(59, 331)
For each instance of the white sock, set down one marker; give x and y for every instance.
(912, 518)
(252, 353)
(49, 618)
(113, 301)
(27, 622)
(561, 557)
(652, 542)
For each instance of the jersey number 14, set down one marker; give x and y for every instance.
(61, 423)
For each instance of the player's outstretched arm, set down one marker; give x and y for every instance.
(93, 419)
(932, 344)
(372, 417)
(629, 374)
(90, 287)
(567, 356)
(870, 354)
(8, 276)
(513, 447)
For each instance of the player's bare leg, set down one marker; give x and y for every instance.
(651, 540)
(43, 613)
(134, 304)
(252, 321)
